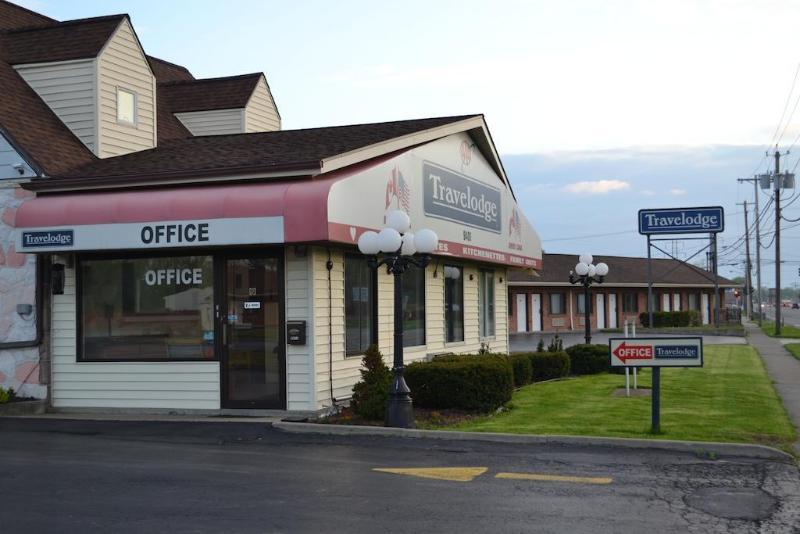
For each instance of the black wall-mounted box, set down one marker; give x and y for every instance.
(296, 332)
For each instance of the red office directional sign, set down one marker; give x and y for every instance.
(656, 352)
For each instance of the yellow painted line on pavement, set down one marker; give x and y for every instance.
(555, 478)
(456, 474)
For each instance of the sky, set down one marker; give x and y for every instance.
(598, 109)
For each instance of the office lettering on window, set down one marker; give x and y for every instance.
(142, 309)
(360, 308)
(453, 303)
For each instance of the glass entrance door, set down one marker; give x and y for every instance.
(254, 363)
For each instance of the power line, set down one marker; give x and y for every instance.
(775, 138)
(573, 238)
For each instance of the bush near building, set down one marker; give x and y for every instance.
(549, 365)
(470, 383)
(588, 359)
(522, 366)
(670, 318)
(372, 391)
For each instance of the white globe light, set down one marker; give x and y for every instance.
(368, 243)
(602, 269)
(426, 241)
(399, 220)
(581, 269)
(592, 270)
(585, 258)
(389, 240)
(408, 248)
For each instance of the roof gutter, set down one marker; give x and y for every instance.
(55, 184)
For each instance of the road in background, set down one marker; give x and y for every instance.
(100, 476)
(528, 341)
(790, 316)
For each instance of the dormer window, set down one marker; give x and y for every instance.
(126, 107)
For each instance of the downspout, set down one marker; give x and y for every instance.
(37, 340)
(329, 267)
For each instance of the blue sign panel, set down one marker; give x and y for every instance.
(709, 220)
(50, 238)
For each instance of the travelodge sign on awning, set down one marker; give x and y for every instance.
(447, 186)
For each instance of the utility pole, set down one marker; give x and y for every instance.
(754, 179)
(748, 281)
(778, 179)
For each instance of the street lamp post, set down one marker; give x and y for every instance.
(587, 274)
(398, 246)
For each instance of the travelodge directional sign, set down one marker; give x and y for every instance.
(656, 351)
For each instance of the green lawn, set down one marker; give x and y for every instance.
(794, 348)
(786, 330)
(731, 399)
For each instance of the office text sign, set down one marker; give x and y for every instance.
(709, 220)
(656, 351)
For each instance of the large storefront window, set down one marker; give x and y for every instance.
(413, 307)
(486, 304)
(360, 317)
(147, 309)
(453, 303)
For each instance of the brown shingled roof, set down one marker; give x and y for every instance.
(221, 155)
(211, 93)
(622, 270)
(164, 71)
(59, 41)
(14, 16)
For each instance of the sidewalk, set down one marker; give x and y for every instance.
(784, 370)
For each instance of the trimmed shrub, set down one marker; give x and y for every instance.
(7, 395)
(663, 319)
(470, 383)
(523, 369)
(556, 345)
(549, 365)
(588, 359)
(372, 391)
(540, 345)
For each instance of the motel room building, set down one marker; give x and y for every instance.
(545, 301)
(193, 255)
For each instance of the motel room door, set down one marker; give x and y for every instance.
(536, 312)
(253, 362)
(601, 310)
(612, 310)
(522, 312)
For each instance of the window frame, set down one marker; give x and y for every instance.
(373, 275)
(135, 122)
(563, 302)
(139, 255)
(444, 299)
(580, 295)
(635, 296)
(483, 304)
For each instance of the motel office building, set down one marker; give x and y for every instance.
(547, 302)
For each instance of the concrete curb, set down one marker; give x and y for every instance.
(23, 408)
(694, 447)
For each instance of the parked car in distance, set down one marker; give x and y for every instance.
(795, 305)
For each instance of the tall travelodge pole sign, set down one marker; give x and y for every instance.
(709, 220)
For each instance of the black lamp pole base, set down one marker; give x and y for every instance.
(399, 408)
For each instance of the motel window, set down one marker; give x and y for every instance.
(413, 295)
(486, 303)
(144, 309)
(126, 107)
(630, 303)
(581, 307)
(694, 301)
(453, 303)
(360, 305)
(558, 303)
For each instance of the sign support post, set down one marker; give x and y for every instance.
(655, 393)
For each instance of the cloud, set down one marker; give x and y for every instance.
(677, 191)
(648, 192)
(597, 187)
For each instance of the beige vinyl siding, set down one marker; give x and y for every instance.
(299, 358)
(166, 385)
(346, 369)
(8, 158)
(122, 65)
(69, 89)
(215, 122)
(261, 115)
